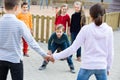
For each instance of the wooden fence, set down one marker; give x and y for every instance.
(113, 19)
(44, 26)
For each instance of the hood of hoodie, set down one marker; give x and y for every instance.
(101, 31)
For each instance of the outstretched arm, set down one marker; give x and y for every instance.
(110, 51)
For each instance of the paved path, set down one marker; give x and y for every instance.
(60, 70)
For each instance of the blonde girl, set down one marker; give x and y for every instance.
(77, 21)
(62, 17)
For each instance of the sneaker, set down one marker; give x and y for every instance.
(42, 67)
(72, 71)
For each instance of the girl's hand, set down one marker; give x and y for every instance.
(68, 33)
(49, 58)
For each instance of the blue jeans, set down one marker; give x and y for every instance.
(73, 36)
(62, 47)
(41, 3)
(29, 4)
(84, 74)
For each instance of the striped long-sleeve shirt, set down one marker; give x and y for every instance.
(11, 32)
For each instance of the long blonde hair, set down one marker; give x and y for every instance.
(59, 12)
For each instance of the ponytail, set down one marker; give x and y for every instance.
(97, 12)
(98, 20)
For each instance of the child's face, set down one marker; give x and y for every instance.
(64, 9)
(77, 8)
(59, 33)
(25, 8)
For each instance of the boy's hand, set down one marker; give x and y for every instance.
(49, 52)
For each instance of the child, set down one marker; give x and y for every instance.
(63, 18)
(58, 39)
(77, 21)
(97, 39)
(26, 17)
(11, 32)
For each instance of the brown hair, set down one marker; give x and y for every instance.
(97, 12)
(59, 12)
(60, 26)
(24, 3)
(83, 17)
(10, 4)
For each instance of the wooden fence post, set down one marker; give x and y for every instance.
(53, 24)
(118, 19)
(42, 28)
(37, 27)
(47, 28)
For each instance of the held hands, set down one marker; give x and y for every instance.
(49, 57)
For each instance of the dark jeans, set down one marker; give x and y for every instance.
(16, 70)
(62, 47)
(73, 36)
